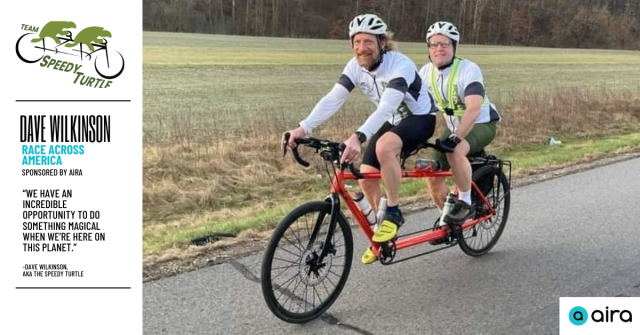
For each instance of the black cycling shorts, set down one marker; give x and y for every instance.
(412, 130)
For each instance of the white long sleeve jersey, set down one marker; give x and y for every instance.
(395, 87)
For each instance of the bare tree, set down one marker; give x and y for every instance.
(556, 23)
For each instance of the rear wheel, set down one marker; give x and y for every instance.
(297, 284)
(27, 51)
(482, 237)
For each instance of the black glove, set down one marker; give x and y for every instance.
(448, 145)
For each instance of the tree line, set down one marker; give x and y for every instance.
(545, 23)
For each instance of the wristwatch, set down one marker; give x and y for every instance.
(361, 136)
(455, 138)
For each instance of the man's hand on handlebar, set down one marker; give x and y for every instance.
(351, 150)
(294, 135)
(446, 146)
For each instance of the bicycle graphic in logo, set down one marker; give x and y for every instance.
(93, 38)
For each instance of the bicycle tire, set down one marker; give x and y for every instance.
(27, 44)
(473, 241)
(101, 74)
(285, 233)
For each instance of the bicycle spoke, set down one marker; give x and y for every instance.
(489, 236)
(331, 281)
(285, 270)
(296, 287)
(338, 265)
(316, 292)
(317, 225)
(283, 267)
(297, 238)
(326, 289)
(282, 288)
(308, 229)
(284, 260)
(293, 244)
(337, 275)
(305, 299)
(291, 252)
(293, 295)
(484, 233)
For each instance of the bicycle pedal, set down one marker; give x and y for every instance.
(387, 252)
(455, 231)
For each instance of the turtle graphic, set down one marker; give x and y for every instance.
(90, 35)
(53, 29)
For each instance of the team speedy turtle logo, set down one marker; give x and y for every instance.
(90, 44)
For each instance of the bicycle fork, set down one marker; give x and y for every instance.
(327, 245)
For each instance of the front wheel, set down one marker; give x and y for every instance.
(483, 236)
(298, 284)
(109, 68)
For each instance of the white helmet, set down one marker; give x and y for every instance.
(444, 28)
(367, 23)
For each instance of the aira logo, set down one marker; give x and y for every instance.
(55, 39)
(579, 316)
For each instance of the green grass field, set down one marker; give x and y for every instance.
(221, 80)
(214, 107)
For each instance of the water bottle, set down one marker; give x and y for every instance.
(381, 210)
(448, 206)
(423, 164)
(365, 208)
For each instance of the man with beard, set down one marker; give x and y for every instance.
(404, 116)
(458, 87)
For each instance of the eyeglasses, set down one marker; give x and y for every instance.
(435, 45)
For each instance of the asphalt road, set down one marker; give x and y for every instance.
(574, 236)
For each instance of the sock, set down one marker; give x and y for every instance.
(393, 209)
(465, 196)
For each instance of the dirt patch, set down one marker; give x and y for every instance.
(250, 243)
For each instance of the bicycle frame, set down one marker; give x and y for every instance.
(330, 152)
(428, 235)
(69, 39)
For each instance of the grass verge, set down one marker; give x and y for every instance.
(527, 159)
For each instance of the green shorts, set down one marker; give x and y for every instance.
(479, 137)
